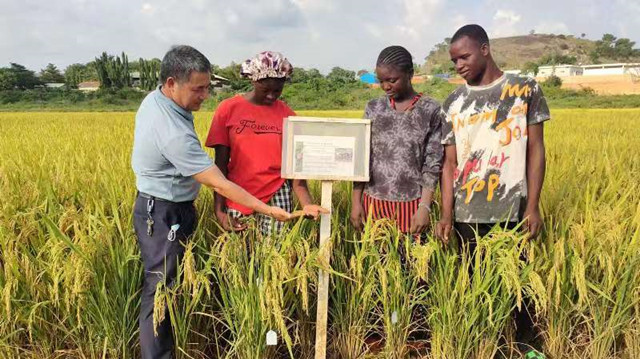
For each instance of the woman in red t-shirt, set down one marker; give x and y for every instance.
(246, 133)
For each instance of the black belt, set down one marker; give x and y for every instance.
(157, 199)
(148, 196)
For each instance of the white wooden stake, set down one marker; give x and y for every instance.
(323, 277)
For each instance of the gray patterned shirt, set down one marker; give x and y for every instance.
(406, 153)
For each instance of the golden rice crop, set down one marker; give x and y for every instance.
(70, 270)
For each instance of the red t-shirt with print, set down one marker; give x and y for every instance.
(253, 134)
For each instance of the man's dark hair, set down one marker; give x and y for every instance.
(396, 56)
(472, 31)
(180, 61)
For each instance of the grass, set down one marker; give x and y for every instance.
(70, 270)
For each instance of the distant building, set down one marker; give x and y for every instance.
(442, 76)
(219, 83)
(135, 78)
(54, 85)
(513, 72)
(589, 70)
(610, 69)
(89, 86)
(416, 79)
(560, 70)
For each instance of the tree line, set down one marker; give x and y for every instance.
(308, 88)
(114, 72)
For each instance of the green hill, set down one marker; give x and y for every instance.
(513, 52)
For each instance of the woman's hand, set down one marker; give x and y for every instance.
(420, 221)
(313, 211)
(229, 223)
(358, 218)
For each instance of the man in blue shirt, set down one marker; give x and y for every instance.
(170, 165)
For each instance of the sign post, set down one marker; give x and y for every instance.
(323, 277)
(325, 149)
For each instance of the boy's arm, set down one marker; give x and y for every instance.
(536, 165)
(445, 225)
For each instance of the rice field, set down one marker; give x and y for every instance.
(70, 270)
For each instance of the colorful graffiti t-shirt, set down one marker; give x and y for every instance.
(488, 125)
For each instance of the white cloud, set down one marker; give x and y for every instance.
(314, 5)
(505, 23)
(231, 17)
(312, 33)
(419, 17)
(459, 20)
(374, 30)
(552, 28)
(508, 16)
(629, 5)
(410, 31)
(147, 9)
(627, 8)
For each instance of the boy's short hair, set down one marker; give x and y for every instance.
(472, 31)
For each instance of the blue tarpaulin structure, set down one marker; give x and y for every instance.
(368, 78)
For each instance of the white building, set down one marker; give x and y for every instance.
(89, 86)
(610, 69)
(589, 70)
(560, 70)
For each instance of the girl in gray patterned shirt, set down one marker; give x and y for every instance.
(406, 153)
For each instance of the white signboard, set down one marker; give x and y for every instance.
(330, 149)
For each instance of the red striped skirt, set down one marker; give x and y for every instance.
(400, 212)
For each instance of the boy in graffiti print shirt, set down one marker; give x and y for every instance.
(494, 151)
(489, 127)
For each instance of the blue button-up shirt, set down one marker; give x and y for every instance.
(166, 150)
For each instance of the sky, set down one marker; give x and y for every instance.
(310, 33)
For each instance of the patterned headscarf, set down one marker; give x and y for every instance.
(267, 64)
